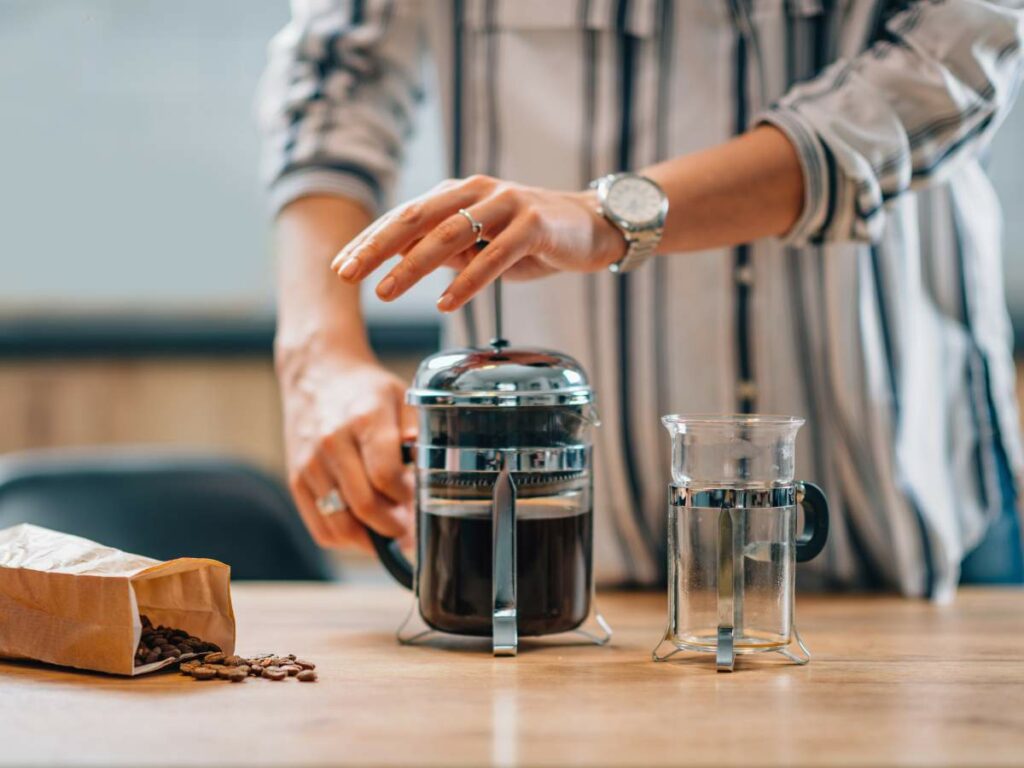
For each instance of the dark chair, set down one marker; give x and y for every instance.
(163, 505)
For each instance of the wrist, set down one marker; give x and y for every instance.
(608, 243)
(298, 354)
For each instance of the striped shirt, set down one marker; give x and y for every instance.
(880, 317)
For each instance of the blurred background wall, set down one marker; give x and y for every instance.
(136, 278)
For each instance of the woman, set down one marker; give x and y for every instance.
(830, 249)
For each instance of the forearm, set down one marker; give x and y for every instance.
(745, 189)
(748, 188)
(317, 315)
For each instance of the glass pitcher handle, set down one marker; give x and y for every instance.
(812, 538)
(388, 551)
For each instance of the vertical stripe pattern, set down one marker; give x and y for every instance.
(880, 316)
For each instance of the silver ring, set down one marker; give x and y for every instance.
(478, 228)
(331, 504)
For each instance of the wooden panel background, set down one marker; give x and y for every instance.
(226, 406)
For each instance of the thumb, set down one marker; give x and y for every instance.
(407, 422)
(408, 430)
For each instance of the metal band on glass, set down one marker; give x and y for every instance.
(512, 399)
(570, 458)
(734, 498)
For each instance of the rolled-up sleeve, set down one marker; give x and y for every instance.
(337, 100)
(898, 117)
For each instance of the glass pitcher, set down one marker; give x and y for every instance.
(733, 544)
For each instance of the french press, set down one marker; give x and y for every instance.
(733, 545)
(504, 519)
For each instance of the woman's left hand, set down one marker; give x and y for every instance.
(531, 232)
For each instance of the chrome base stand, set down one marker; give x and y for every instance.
(595, 628)
(725, 656)
(414, 630)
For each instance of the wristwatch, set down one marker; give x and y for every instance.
(636, 206)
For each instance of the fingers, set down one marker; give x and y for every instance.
(381, 451)
(368, 505)
(500, 255)
(305, 501)
(339, 529)
(452, 236)
(340, 525)
(398, 229)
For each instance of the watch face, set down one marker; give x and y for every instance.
(634, 199)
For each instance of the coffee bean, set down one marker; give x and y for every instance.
(237, 674)
(152, 656)
(307, 676)
(214, 658)
(274, 673)
(146, 623)
(305, 664)
(256, 670)
(224, 673)
(292, 669)
(204, 673)
(234, 661)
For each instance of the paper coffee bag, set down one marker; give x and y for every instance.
(67, 600)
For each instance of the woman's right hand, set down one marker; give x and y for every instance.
(345, 421)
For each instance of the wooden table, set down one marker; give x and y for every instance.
(892, 681)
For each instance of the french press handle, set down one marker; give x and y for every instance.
(504, 618)
(812, 538)
(388, 552)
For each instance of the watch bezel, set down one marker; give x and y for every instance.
(604, 188)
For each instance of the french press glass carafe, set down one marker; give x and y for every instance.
(504, 518)
(733, 546)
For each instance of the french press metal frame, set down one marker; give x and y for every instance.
(505, 461)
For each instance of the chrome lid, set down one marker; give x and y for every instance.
(499, 377)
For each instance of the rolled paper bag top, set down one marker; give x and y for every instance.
(70, 601)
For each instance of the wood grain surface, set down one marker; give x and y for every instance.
(892, 682)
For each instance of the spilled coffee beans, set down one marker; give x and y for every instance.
(206, 661)
(238, 668)
(159, 643)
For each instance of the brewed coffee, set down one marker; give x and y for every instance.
(553, 563)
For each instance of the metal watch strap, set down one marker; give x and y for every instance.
(639, 248)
